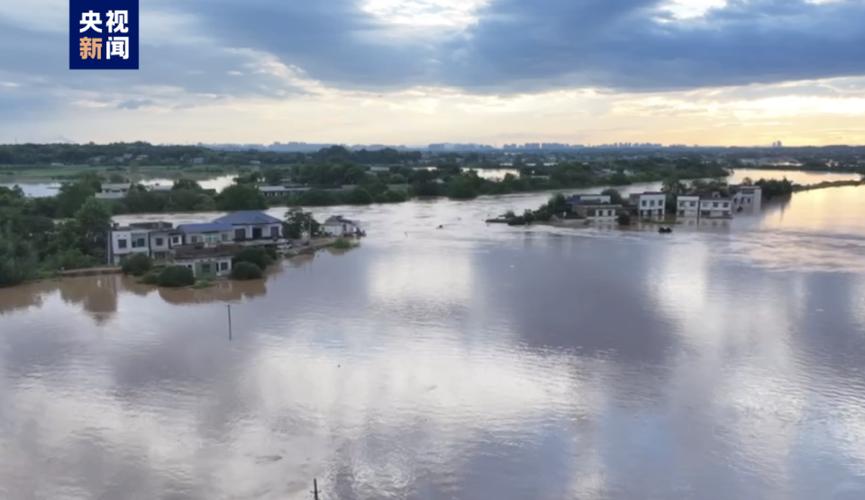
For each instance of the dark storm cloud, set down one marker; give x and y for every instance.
(515, 46)
(520, 45)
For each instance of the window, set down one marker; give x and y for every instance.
(139, 243)
(715, 204)
(175, 240)
(274, 232)
(239, 234)
(224, 236)
(223, 266)
(693, 203)
(643, 203)
(160, 242)
(195, 238)
(205, 268)
(121, 243)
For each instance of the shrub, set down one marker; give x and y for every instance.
(342, 244)
(137, 265)
(246, 271)
(175, 277)
(256, 256)
(152, 277)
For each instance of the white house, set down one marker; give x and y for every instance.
(688, 206)
(149, 238)
(747, 198)
(252, 227)
(603, 213)
(339, 226)
(650, 205)
(113, 191)
(716, 207)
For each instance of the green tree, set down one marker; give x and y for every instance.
(254, 255)
(185, 185)
(245, 271)
(297, 222)
(615, 196)
(241, 197)
(94, 220)
(137, 264)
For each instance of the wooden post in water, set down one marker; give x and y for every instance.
(315, 488)
(229, 321)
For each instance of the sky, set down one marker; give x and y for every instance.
(703, 72)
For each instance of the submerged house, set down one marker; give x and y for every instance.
(251, 227)
(598, 212)
(747, 198)
(649, 205)
(340, 226)
(688, 205)
(206, 248)
(115, 191)
(213, 261)
(716, 206)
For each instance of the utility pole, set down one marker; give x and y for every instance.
(315, 489)
(229, 321)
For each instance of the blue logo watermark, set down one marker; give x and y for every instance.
(103, 34)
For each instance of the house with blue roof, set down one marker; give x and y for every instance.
(251, 227)
(206, 247)
(209, 234)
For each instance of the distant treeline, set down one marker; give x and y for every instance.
(142, 153)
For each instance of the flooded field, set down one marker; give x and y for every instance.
(470, 361)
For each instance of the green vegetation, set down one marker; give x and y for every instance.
(240, 197)
(137, 265)
(297, 223)
(35, 241)
(342, 244)
(775, 189)
(175, 277)
(244, 271)
(253, 255)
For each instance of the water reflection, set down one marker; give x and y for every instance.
(467, 362)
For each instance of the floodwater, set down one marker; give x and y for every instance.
(42, 189)
(467, 362)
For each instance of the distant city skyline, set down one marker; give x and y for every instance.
(695, 72)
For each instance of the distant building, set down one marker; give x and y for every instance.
(339, 226)
(582, 199)
(281, 191)
(649, 205)
(111, 191)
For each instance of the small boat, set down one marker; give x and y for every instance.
(665, 230)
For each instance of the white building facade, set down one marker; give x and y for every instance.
(688, 206)
(650, 205)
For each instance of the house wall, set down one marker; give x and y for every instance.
(265, 231)
(136, 241)
(204, 266)
(688, 206)
(602, 215)
(652, 205)
(209, 239)
(716, 208)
